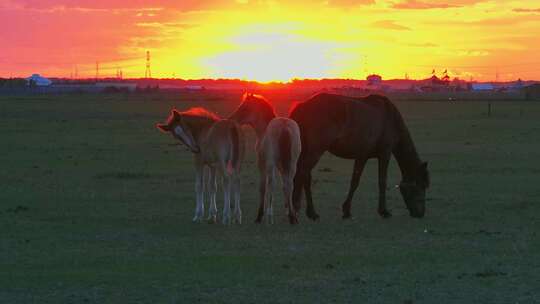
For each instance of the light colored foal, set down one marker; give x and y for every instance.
(278, 149)
(218, 148)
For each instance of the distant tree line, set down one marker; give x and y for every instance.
(12, 82)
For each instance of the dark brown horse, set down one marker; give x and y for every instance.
(359, 129)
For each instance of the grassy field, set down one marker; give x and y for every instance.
(96, 207)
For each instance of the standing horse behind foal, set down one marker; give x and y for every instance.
(216, 144)
(278, 148)
(359, 129)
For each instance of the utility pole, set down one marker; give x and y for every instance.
(147, 72)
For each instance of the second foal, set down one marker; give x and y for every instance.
(278, 147)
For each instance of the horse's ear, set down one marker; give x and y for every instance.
(163, 128)
(424, 165)
(176, 114)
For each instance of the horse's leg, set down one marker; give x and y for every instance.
(262, 194)
(212, 190)
(303, 180)
(236, 191)
(288, 184)
(355, 179)
(269, 195)
(298, 186)
(227, 182)
(383, 173)
(310, 209)
(199, 191)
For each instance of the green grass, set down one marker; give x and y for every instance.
(96, 207)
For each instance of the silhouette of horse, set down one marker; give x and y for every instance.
(278, 147)
(359, 129)
(216, 144)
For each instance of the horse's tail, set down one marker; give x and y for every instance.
(235, 137)
(284, 142)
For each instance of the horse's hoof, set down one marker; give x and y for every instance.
(384, 213)
(212, 220)
(347, 216)
(312, 215)
(293, 220)
(258, 220)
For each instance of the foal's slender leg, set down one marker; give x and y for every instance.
(269, 196)
(227, 183)
(287, 180)
(212, 190)
(236, 191)
(357, 172)
(199, 190)
(383, 173)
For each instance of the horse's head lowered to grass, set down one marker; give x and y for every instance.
(186, 126)
(414, 192)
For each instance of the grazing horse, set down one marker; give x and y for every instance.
(217, 144)
(278, 147)
(359, 129)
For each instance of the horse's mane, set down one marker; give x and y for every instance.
(200, 112)
(261, 99)
(293, 106)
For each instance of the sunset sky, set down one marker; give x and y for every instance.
(271, 40)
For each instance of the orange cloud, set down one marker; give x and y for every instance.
(527, 10)
(434, 4)
(389, 24)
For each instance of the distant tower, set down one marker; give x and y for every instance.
(497, 75)
(97, 70)
(76, 72)
(147, 72)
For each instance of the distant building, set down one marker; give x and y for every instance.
(116, 86)
(374, 80)
(37, 80)
(436, 84)
(482, 87)
(516, 85)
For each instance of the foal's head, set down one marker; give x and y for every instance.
(414, 192)
(253, 109)
(186, 126)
